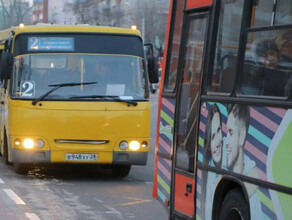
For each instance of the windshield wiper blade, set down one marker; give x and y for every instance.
(57, 86)
(116, 98)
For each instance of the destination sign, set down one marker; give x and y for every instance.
(50, 44)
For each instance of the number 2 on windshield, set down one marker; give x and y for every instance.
(27, 88)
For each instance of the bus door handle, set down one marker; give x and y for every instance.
(189, 187)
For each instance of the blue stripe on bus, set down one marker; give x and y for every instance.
(163, 191)
(256, 143)
(166, 138)
(200, 157)
(268, 212)
(271, 115)
(167, 111)
(163, 177)
(201, 149)
(161, 196)
(162, 150)
(164, 122)
(258, 135)
(265, 217)
(164, 163)
(259, 164)
(260, 127)
(265, 192)
(201, 134)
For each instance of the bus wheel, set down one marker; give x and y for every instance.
(234, 206)
(120, 170)
(5, 150)
(21, 168)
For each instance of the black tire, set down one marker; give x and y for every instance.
(120, 170)
(21, 168)
(5, 151)
(234, 206)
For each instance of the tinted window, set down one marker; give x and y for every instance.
(263, 13)
(267, 14)
(189, 93)
(284, 12)
(268, 63)
(111, 75)
(171, 72)
(227, 46)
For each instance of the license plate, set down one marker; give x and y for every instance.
(81, 157)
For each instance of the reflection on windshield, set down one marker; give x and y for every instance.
(115, 75)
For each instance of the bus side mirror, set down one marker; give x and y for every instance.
(152, 64)
(152, 69)
(2, 65)
(6, 63)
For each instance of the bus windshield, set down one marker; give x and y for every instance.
(115, 75)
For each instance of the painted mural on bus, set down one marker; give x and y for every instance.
(252, 141)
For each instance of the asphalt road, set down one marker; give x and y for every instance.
(81, 192)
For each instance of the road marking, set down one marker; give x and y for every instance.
(137, 201)
(32, 216)
(1, 181)
(114, 211)
(14, 197)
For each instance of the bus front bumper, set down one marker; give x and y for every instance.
(24, 156)
(127, 158)
(130, 158)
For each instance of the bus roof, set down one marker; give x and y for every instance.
(53, 28)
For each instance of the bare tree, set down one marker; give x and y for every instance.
(14, 12)
(87, 11)
(151, 22)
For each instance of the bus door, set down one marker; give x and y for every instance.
(167, 103)
(187, 115)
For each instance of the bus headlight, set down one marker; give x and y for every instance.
(134, 145)
(39, 143)
(144, 144)
(28, 143)
(17, 142)
(124, 145)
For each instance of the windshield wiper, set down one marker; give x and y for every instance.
(116, 98)
(57, 86)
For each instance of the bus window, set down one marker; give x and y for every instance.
(268, 59)
(170, 78)
(114, 75)
(189, 92)
(263, 13)
(267, 14)
(227, 46)
(284, 12)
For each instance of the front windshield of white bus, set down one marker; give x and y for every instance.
(111, 75)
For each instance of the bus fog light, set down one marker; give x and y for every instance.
(39, 143)
(17, 142)
(134, 145)
(28, 143)
(144, 144)
(124, 145)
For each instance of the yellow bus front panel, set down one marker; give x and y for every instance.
(69, 128)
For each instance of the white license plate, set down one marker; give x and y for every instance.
(81, 157)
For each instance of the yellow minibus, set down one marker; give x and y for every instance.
(74, 94)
